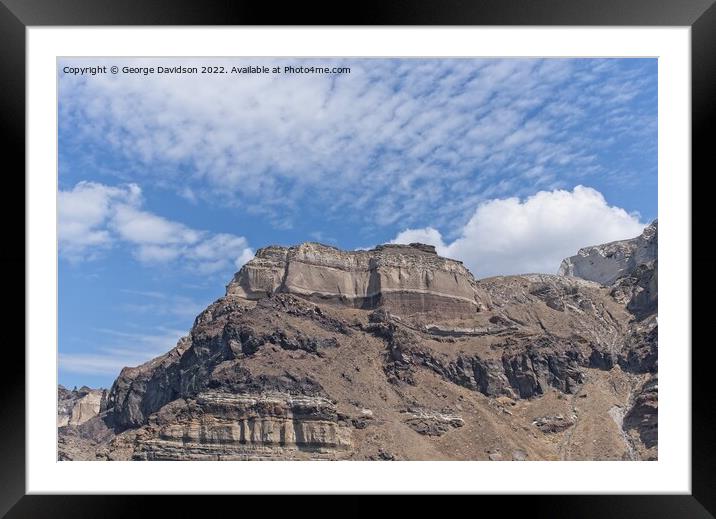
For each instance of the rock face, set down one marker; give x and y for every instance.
(641, 420)
(607, 263)
(395, 353)
(79, 405)
(407, 279)
(228, 426)
(630, 268)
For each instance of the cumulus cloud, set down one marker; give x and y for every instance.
(93, 217)
(518, 236)
(390, 142)
(427, 235)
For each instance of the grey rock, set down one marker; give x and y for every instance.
(643, 415)
(519, 455)
(79, 405)
(607, 263)
(407, 279)
(553, 424)
(432, 423)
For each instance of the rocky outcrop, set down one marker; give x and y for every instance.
(80, 429)
(553, 424)
(79, 405)
(641, 420)
(137, 392)
(607, 263)
(210, 358)
(407, 279)
(638, 289)
(432, 423)
(630, 269)
(525, 368)
(392, 353)
(85, 441)
(229, 426)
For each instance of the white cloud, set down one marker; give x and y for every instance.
(137, 226)
(83, 213)
(246, 256)
(390, 142)
(93, 217)
(513, 236)
(427, 235)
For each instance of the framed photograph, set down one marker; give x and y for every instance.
(413, 252)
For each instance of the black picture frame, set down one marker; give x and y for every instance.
(17, 15)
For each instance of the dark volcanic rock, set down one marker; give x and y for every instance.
(640, 354)
(643, 416)
(546, 362)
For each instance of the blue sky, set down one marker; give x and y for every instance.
(169, 183)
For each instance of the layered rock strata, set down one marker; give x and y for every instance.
(407, 279)
(230, 426)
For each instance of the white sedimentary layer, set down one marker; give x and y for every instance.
(413, 272)
(608, 262)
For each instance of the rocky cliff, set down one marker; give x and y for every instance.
(408, 279)
(607, 263)
(78, 414)
(630, 268)
(79, 405)
(397, 353)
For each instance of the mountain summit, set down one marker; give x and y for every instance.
(405, 279)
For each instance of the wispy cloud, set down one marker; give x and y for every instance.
(120, 349)
(144, 293)
(94, 216)
(394, 141)
(160, 304)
